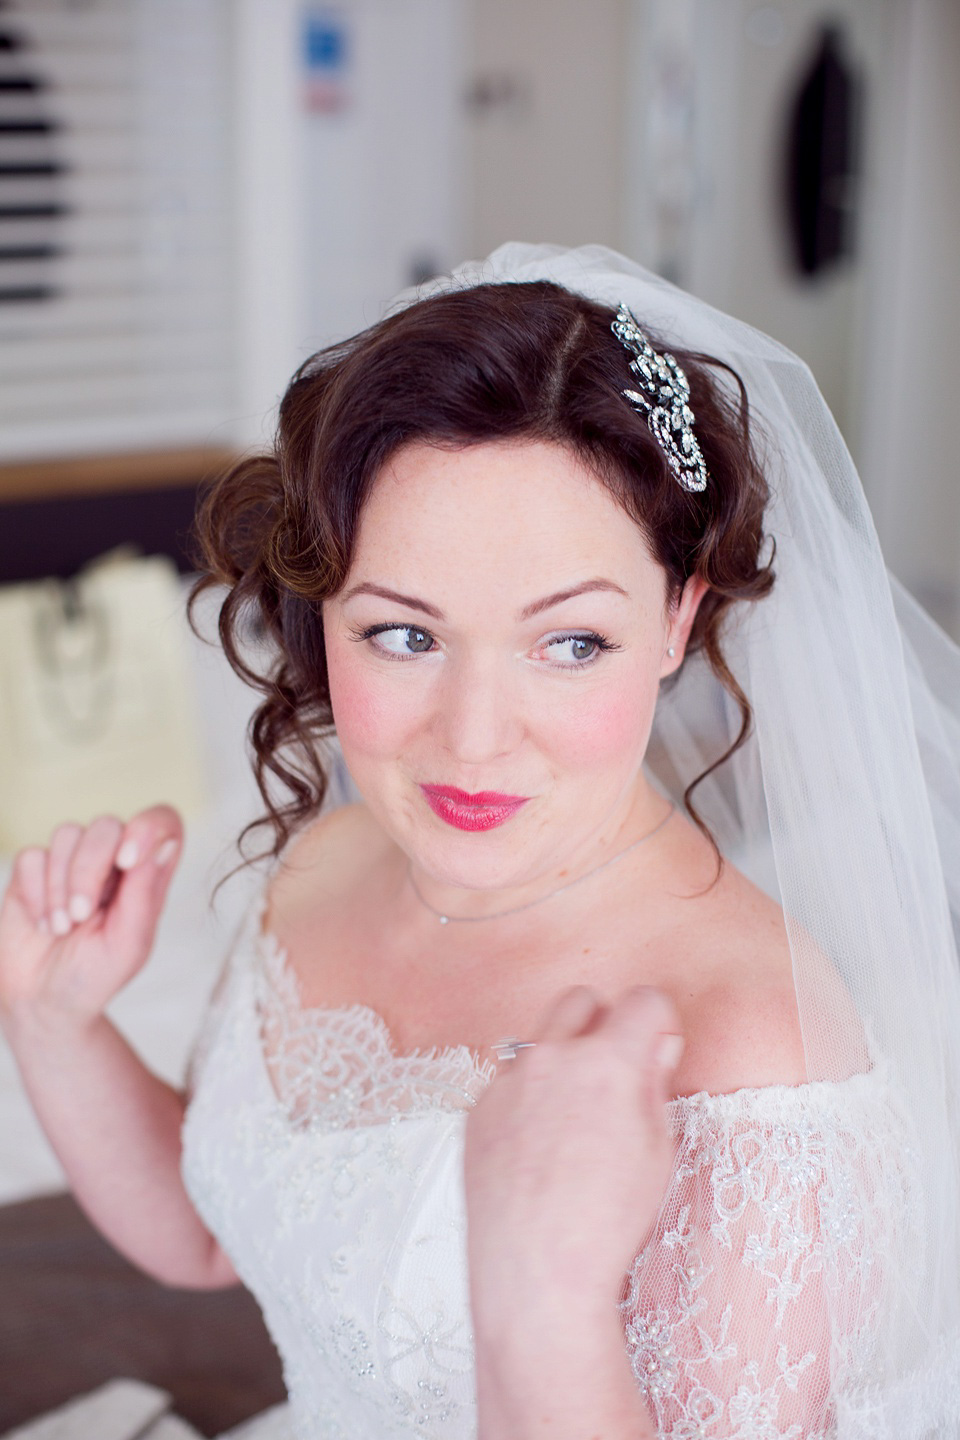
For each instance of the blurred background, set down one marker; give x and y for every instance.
(197, 194)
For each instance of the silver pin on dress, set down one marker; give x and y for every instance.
(507, 1049)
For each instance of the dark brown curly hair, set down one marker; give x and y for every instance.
(494, 362)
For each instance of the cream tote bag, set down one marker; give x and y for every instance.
(97, 710)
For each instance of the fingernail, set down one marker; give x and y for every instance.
(80, 908)
(670, 1050)
(165, 852)
(127, 855)
(60, 922)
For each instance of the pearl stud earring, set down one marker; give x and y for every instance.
(671, 651)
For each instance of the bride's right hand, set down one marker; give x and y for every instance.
(78, 919)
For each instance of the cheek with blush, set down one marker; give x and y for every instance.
(370, 719)
(607, 730)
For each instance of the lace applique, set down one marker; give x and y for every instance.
(772, 1230)
(337, 1068)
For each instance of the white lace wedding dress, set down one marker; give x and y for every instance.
(329, 1168)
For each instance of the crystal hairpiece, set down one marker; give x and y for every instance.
(664, 399)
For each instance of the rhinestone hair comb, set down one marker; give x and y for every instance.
(664, 400)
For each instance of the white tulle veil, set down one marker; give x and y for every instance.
(844, 804)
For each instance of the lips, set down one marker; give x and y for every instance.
(482, 810)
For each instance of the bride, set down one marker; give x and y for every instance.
(639, 954)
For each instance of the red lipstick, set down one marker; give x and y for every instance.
(481, 811)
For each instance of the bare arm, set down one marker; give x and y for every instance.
(115, 1128)
(113, 1124)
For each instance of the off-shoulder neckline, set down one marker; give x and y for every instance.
(759, 1099)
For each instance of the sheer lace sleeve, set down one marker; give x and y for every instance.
(755, 1301)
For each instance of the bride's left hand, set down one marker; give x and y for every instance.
(567, 1158)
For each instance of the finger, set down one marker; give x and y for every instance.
(146, 835)
(641, 1014)
(573, 1013)
(29, 883)
(646, 1023)
(63, 842)
(90, 867)
(131, 919)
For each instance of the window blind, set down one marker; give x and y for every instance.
(116, 246)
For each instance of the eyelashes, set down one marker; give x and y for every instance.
(424, 642)
(601, 646)
(423, 639)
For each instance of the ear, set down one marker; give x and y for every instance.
(681, 623)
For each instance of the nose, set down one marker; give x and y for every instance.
(479, 718)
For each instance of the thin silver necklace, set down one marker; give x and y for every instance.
(498, 915)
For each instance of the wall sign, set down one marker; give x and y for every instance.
(327, 61)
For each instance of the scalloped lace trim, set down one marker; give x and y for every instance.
(338, 1066)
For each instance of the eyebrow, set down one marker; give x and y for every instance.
(527, 613)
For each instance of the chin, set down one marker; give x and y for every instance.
(472, 861)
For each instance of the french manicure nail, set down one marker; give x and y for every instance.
(80, 908)
(165, 852)
(60, 922)
(127, 855)
(670, 1050)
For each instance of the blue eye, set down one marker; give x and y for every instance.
(585, 649)
(400, 642)
(581, 646)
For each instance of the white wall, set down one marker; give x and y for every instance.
(743, 62)
(546, 121)
(383, 177)
(268, 209)
(912, 354)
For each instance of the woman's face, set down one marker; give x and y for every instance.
(502, 629)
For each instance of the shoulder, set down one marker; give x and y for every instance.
(744, 1025)
(743, 1037)
(742, 1021)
